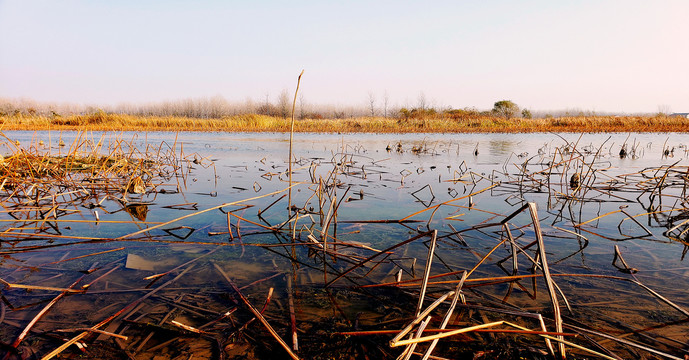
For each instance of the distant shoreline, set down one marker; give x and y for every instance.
(262, 123)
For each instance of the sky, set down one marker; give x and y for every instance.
(624, 56)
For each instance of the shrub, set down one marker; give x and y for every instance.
(505, 108)
(405, 113)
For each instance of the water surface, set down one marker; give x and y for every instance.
(367, 178)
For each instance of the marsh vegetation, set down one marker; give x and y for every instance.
(428, 123)
(496, 246)
(219, 115)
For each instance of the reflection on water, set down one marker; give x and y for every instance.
(461, 185)
(138, 211)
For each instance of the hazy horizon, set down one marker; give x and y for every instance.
(600, 56)
(229, 107)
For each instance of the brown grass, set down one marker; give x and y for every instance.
(101, 121)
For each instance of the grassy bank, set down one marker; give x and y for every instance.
(260, 123)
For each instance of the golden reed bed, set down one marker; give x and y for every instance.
(261, 123)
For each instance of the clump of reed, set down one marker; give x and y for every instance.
(49, 174)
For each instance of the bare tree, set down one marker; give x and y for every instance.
(372, 103)
(266, 108)
(386, 99)
(218, 107)
(283, 104)
(422, 104)
(249, 107)
(302, 106)
(664, 109)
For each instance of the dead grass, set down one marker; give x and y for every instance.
(101, 121)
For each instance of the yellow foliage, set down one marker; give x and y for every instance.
(263, 123)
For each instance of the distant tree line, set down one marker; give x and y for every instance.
(200, 108)
(280, 106)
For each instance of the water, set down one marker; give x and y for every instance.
(379, 177)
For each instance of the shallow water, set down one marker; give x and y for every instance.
(380, 177)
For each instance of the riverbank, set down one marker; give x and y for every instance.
(261, 123)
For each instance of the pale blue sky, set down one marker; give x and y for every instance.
(619, 56)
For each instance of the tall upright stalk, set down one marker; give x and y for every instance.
(291, 135)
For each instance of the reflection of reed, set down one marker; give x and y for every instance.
(139, 211)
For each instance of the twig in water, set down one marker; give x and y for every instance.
(256, 313)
